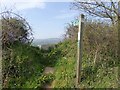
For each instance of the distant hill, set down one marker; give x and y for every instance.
(46, 41)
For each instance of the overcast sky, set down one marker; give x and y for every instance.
(47, 19)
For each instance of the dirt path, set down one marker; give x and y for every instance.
(48, 70)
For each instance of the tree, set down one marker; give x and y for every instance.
(99, 8)
(98, 38)
(14, 29)
(71, 32)
(102, 9)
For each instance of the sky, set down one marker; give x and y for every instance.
(47, 19)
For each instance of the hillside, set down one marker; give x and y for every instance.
(30, 63)
(102, 75)
(46, 41)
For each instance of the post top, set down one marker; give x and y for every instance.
(82, 15)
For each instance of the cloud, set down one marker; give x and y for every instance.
(21, 4)
(65, 13)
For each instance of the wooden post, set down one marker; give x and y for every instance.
(0, 55)
(79, 57)
(118, 43)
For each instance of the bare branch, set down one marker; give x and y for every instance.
(98, 8)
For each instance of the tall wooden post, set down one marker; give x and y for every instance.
(0, 55)
(79, 57)
(118, 43)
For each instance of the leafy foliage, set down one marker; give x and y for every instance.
(27, 66)
(99, 61)
(14, 30)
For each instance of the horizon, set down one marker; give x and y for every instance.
(48, 38)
